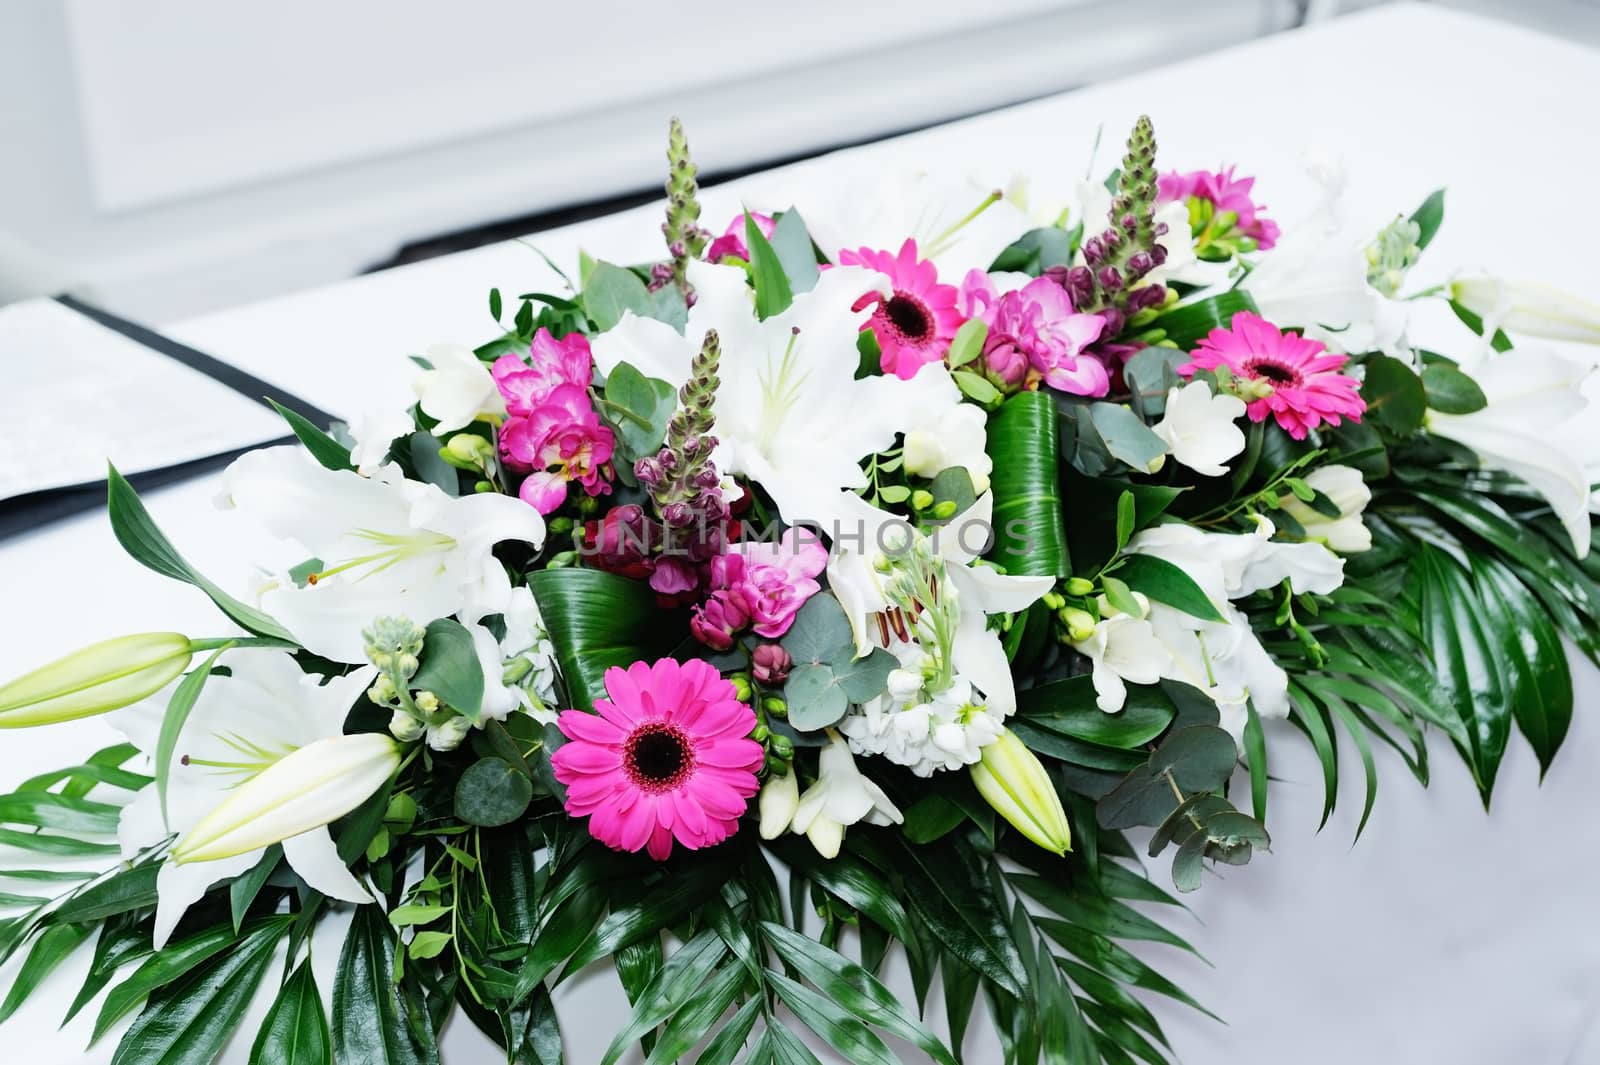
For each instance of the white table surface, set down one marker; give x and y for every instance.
(1446, 934)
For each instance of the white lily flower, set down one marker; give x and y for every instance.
(241, 725)
(841, 797)
(1226, 661)
(388, 546)
(1534, 398)
(1236, 564)
(790, 413)
(458, 390)
(1528, 307)
(1199, 428)
(373, 433)
(958, 222)
(1346, 489)
(978, 590)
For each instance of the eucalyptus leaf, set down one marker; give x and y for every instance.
(491, 793)
(610, 291)
(451, 668)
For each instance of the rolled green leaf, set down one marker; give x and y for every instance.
(597, 620)
(1187, 323)
(1029, 536)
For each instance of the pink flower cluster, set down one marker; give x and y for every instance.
(731, 244)
(1305, 387)
(666, 757)
(761, 586)
(1036, 335)
(552, 433)
(1225, 193)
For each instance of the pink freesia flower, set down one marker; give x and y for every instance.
(1035, 335)
(1306, 386)
(553, 363)
(1226, 193)
(778, 578)
(731, 244)
(558, 442)
(666, 757)
(915, 325)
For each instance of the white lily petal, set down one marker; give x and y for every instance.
(316, 858)
(981, 658)
(180, 886)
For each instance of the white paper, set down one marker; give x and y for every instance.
(74, 394)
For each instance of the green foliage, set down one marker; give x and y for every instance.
(324, 448)
(450, 668)
(1030, 537)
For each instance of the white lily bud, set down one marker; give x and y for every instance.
(1529, 307)
(307, 789)
(101, 677)
(1013, 780)
(779, 797)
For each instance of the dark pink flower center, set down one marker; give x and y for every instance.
(909, 316)
(658, 756)
(1273, 372)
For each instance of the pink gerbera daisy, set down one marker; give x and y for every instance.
(667, 756)
(1303, 385)
(1225, 193)
(915, 323)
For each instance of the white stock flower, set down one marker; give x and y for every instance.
(387, 546)
(1199, 428)
(1345, 489)
(1536, 412)
(240, 725)
(458, 390)
(938, 438)
(840, 797)
(519, 670)
(1124, 650)
(791, 414)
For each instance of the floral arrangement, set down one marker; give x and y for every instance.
(925, 572)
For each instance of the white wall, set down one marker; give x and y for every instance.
(181, 155)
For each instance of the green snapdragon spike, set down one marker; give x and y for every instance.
(1129, 248)
(685, 239)
(682, 478)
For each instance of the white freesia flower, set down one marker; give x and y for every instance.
(1236, 564)
(242, 724)
(790, 413)
(1225, 660)
(519, 671)
(387, 546)
(373, 433)
(1124, 650)
(1531, 394)
(1344, 487)
(1199, 428)
(458, 390)
(1528, 307)
(779, 798)
(938, 438)
(841, 797)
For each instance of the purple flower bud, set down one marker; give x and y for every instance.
(1093, 250)
(661, 272)
(1005, 363)
(1110, 278)
(1058, 274)
(691, 446)
(1129, 222)
(1112, 239)
(770, 664)
(1148, 296)
(1158, 252)
(649, 472)
(1080, 286)
(677, 515)
(1114, 321)
(677, 250)
(1161, 229)
(706, 477)
(1140, 263)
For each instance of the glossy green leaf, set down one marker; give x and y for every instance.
(839, 1029)
(1068, 707)
(1450, 391)
(847, 984)
(1394, 395)
(369, 1015)
(178, 708)
(139, 535)
(688, 969)
(1030, 538)
(189, 1020)
(242, 891)
(128, 889)
(1255, 751)
(48, 951)
(773, 294)
(165, 966)
(324, 448)
(295, 1031)
(724, 1047)
(663, 905)
(450, 668)
(694, 1019)
(1166, 583)
(1535, 664)
(597, 620)
(1428, 217)
(951, 896)
(1186, 324)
